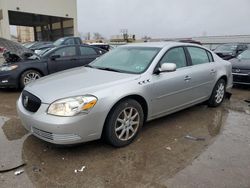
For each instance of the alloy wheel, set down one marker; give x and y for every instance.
(127, 123)
(220, 92)
(31, 76)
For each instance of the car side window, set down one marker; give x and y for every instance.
(175, 55)
(198, 55)
(69, 42)
(65, 52)
(87, 51)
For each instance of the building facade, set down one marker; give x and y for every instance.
(50, 19)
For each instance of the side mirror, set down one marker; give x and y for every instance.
(166, 67)
(54, 57)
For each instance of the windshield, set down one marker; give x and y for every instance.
(244, 55)
(226, 47)
(45, 52)
(58, 42)
(127, 59)
(42, 52)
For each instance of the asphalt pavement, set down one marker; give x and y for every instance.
(197, 147)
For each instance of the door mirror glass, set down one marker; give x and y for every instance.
(54, 57)
(168, 67)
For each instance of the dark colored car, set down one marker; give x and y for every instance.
(241, 68)
(18, 72)
(229, 51)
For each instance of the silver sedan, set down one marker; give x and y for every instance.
(118, 92)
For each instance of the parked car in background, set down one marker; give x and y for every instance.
(229, 51)
(115, 94)
(22, 70)
(68, 41)
(241, 68)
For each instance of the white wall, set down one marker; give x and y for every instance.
(45, 7)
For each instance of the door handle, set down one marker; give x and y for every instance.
(213, 71)
(187, 78)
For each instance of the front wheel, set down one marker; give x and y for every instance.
(218, 94)
(29, 76)
(123, 123)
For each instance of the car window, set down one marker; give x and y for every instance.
(65, 52)
(244, 55)
(175, 55)
(87, 51)
(198, 55)
(69, 42)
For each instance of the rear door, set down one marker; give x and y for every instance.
(67, 58)
(203, 73)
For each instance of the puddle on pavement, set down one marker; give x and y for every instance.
(12, 136)
(13, 130)
(142, 163)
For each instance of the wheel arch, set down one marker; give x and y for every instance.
(224, 77)
(141, 100)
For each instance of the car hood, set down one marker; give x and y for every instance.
(13, 52)
(241, 64)
(77, 81)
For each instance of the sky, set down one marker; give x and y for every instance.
(164, 18)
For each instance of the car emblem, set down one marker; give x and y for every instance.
(26, 101)
(237, 70)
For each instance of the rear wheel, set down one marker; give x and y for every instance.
(29, 76)
(123, 123)
(218, 94)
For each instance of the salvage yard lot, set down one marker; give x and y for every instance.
(161, 155)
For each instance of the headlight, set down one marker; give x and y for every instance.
(8, 68)
(72, 106)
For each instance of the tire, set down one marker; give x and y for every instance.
(218, 94)
(123, 123)
(29, 76)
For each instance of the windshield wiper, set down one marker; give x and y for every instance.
(107, 69)
(88, 66)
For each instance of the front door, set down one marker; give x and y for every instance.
(170, 90)
(66, 58)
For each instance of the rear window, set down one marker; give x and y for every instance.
(87, 51)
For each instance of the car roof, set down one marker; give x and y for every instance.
(162, 44)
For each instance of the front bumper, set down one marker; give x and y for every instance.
(7, 80)
(241, 78)
(62, 130)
